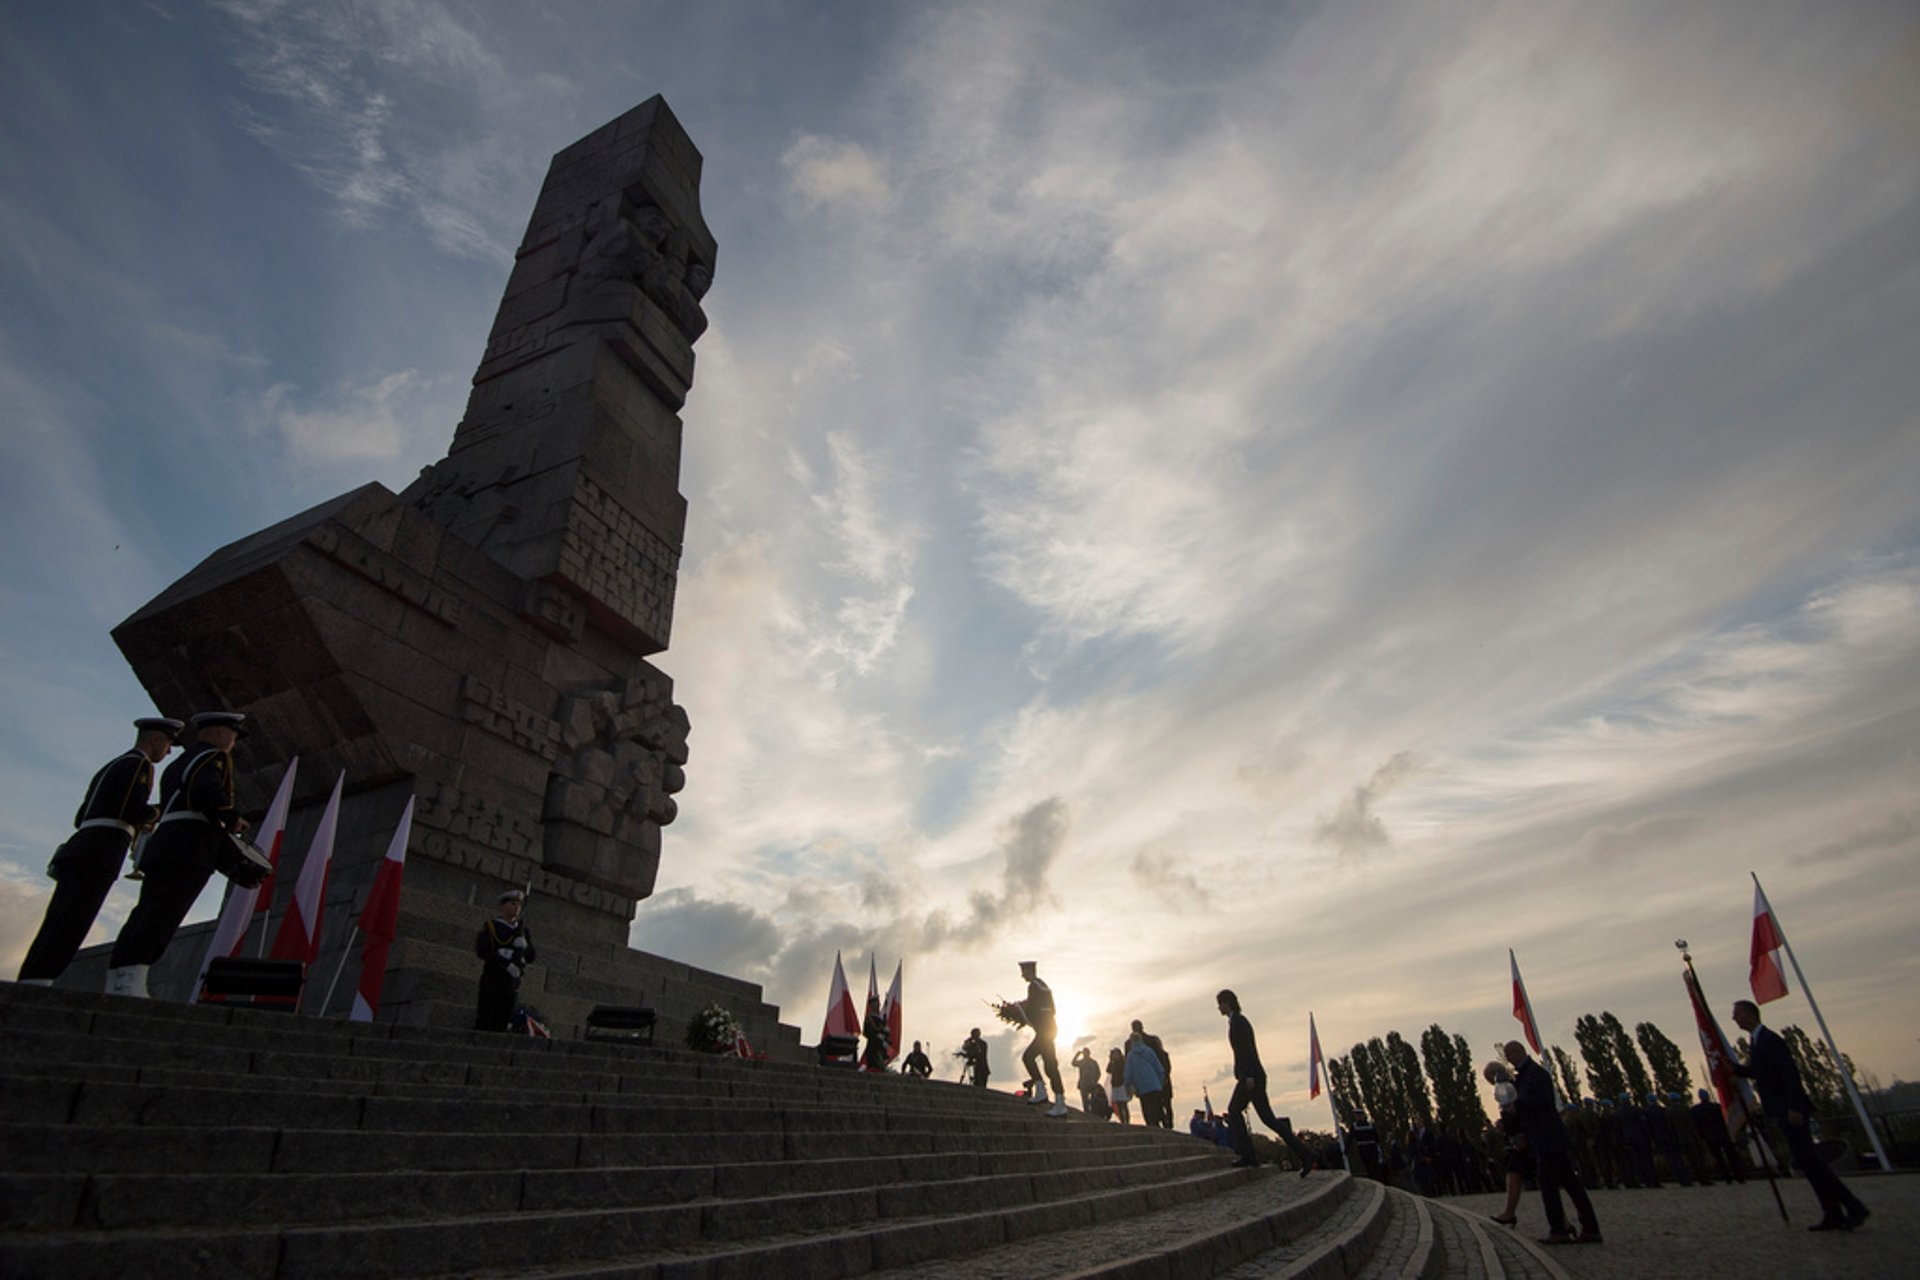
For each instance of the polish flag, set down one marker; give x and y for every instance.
(1763, 967)
(841, 1018)
(1315, 1064)
(236, 914)
(895, 1016)
(299, 936)
(379, 921)
(1522, 1007)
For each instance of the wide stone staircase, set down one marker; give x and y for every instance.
(145, 1138)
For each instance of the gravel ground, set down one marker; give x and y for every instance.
(1705, 1233)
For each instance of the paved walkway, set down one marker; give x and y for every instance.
(1735, 1233)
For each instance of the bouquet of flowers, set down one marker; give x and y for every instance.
(713, 1030)
(1009, 1012)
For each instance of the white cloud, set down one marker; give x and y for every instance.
(375, 420)
(343, 92)
(838, 172)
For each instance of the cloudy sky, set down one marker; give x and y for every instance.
(1292, 497)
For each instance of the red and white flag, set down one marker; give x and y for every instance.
(299, 936)
(1523, 1007)
(895, 1016)
(380, 920)
(1763, 966)
(1315, 1064)
(1736, 1096)
(842, 1020)
(237, 913)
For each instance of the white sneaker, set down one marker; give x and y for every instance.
(33, 982)
(1039, 1098)
(1059, 1108)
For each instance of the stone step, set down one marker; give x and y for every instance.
(955, 1246)
(60, 1056)
(677, 1239)
(1339, 1245)
(347, 1105)
(118, 1018)
(1462, 1244)
(765, 1192)
(1180, 1238)
(1517, 1257)
(1410, 1254)
(56, 1149)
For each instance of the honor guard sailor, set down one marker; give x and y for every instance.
(506, 948)
(192, 839)
(117, 806)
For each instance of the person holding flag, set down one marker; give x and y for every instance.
(1770, 1066)
(505, 948)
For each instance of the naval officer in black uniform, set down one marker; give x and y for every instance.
(117, 806)
(506, 948)
(191, 841)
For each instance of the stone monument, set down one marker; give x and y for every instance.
(479, 641)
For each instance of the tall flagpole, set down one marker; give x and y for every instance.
(1859, 1107)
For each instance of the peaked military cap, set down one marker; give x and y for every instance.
(512, 895)
(234, 720)
(160, 724)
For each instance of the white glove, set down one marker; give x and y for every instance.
(505, 953)
(514, 969)
(520, 944)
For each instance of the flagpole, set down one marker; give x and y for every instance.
(1333, 1103)
(338, 969)
(1859, 1107)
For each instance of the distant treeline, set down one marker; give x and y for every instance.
(1439, 1085)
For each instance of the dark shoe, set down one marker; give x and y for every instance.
(1505, 1222)
(1309, 1167)
(1855, 1219)
(1246, 1162)
(1831, 1224)
(1588, 1237)
(1564, 1238)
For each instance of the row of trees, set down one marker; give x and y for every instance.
(1386, 1080)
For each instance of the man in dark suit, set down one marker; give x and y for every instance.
(1250, 1090)
(1545, 1136)
(1770, 1066)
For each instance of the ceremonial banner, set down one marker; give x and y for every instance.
(1314, 1063)
(895, 1016)
(379, 921)
(1763, 966)
(1736, 1095)
(237, 913)
(299, 936)
(1522, 1007)
(842, 1020)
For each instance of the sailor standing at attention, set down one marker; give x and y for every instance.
(118, 805)
(190, 843)
(506, 949)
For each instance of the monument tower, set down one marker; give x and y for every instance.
(480, 639)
